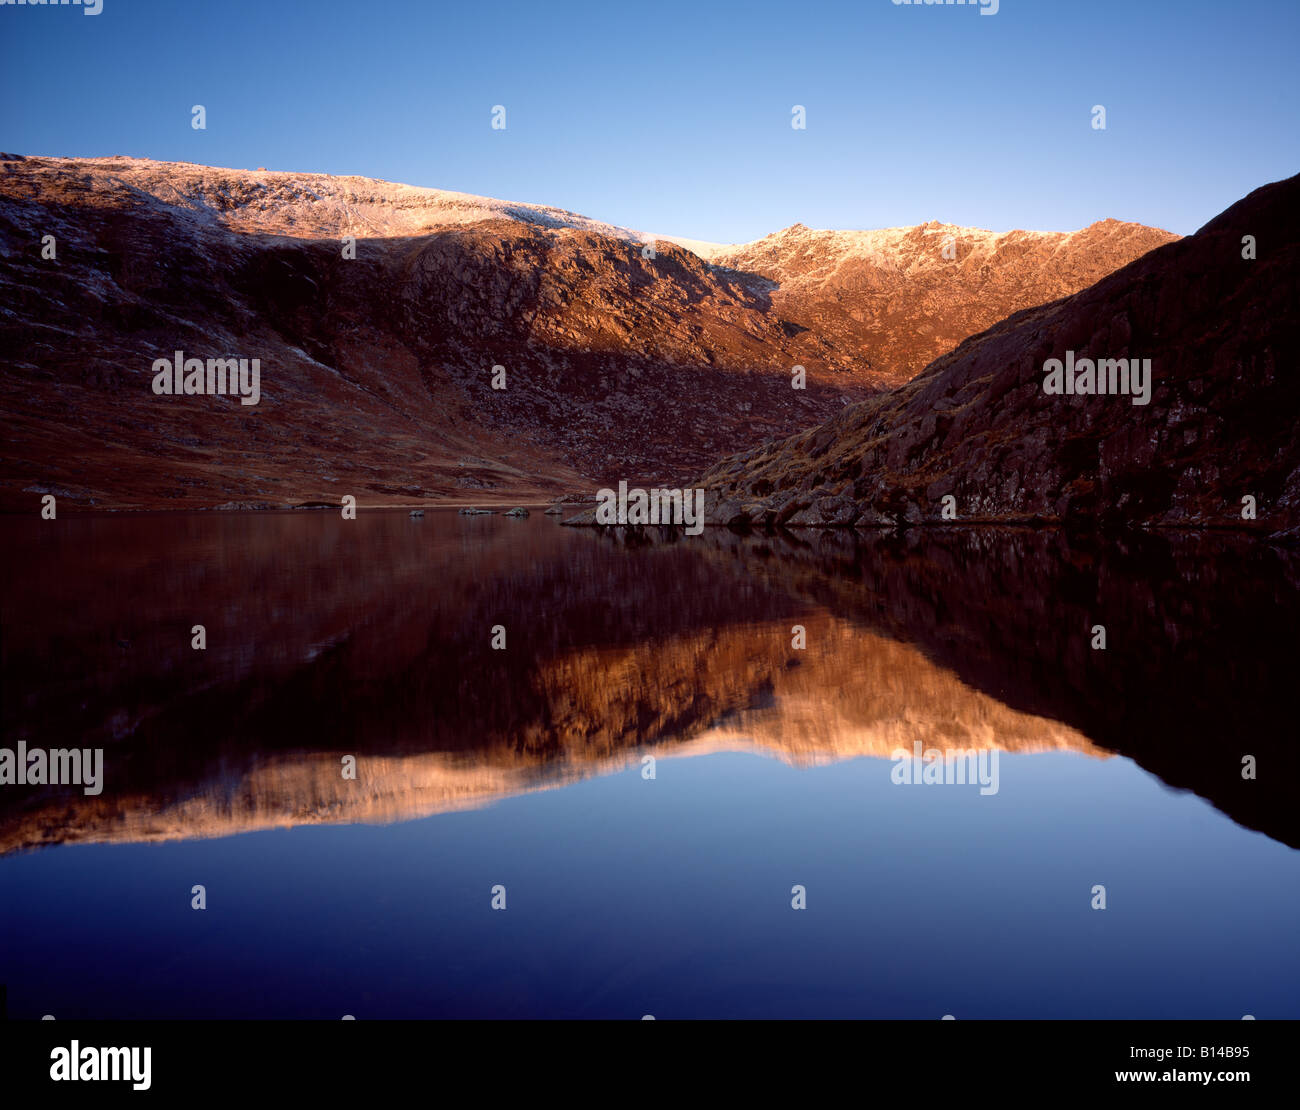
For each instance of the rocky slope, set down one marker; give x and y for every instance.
(626, 356)
(1221, 332)
(902, 296)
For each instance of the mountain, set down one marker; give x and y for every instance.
(1219, 424)
(902, 296)
(625, 356)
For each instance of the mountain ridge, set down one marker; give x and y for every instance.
(978, 425)
(623, 359)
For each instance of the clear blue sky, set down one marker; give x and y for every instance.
(674, 117)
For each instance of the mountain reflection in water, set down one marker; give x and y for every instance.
(373, 638)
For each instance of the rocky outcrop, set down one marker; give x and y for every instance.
(903, 296)
(978, 435)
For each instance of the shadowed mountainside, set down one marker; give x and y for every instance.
(1221, 331)
(626, 356)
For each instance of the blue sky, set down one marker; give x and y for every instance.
(675, 117)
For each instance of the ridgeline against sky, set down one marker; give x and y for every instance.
(676, 118)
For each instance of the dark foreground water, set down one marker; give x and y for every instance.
(649, 768)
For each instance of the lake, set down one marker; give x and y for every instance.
(647, 748)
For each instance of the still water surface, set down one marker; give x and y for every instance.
(526, 767)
